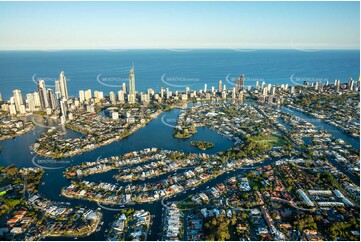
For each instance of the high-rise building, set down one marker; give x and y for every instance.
(36, 99)
(112, 96)
(240, 96)
(57, 90)
(52, 101)
(121, 96)
(220, 86)
(132, 81)
(350, 84)
(316, 86)
(88, 94)
(162, 92)
(150, 92)
(81, 96)
(63, 86)
(144, 97)
(12, 109)
(205, 87)
(44, 101)
(234, 93)
(30, 102)
(273, 90)
(1, 98)
(293, 90)
(63, 110)
(124, 88)
(265, 91)
(337, 85)
(240, 83)
(18, 99)
(187, 90)
(131, 98)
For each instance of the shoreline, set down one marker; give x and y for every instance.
(109, 141)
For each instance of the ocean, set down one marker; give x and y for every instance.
(106, 70)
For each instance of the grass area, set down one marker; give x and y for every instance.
(272, 140)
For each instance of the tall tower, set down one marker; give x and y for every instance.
(44, 102)
(57, 90)
(124, 88)
(51, 96)
(220, 86)
(132, 81)
(63, 86)
(18, 98)
(241, 82)
(63, 110)
(30, 101)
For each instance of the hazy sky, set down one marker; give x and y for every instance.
(110, 25)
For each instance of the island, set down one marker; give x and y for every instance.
(202, 145)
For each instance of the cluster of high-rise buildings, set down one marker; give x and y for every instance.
(44, 99)
(57, 101)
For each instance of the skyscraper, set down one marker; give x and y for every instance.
(124, 88)
(57, 90)
(30, 102)
(132, 82)
(52, 102)
(63, 86)
(220, 86)
(121, 96)
(240, 83)
(44, 103)
(81, 96)
(18, 99)
(63, 110)
(36, 99)
(112, 96)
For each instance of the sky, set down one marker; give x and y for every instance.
(142, 25)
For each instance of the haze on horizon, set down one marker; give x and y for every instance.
(142, 25)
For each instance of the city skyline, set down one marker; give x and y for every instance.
(180, 121)
(118, 25)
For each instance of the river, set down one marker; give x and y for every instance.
(158, 133)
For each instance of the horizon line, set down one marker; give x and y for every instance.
(182, 48)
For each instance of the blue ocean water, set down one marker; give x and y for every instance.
(105, 70)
